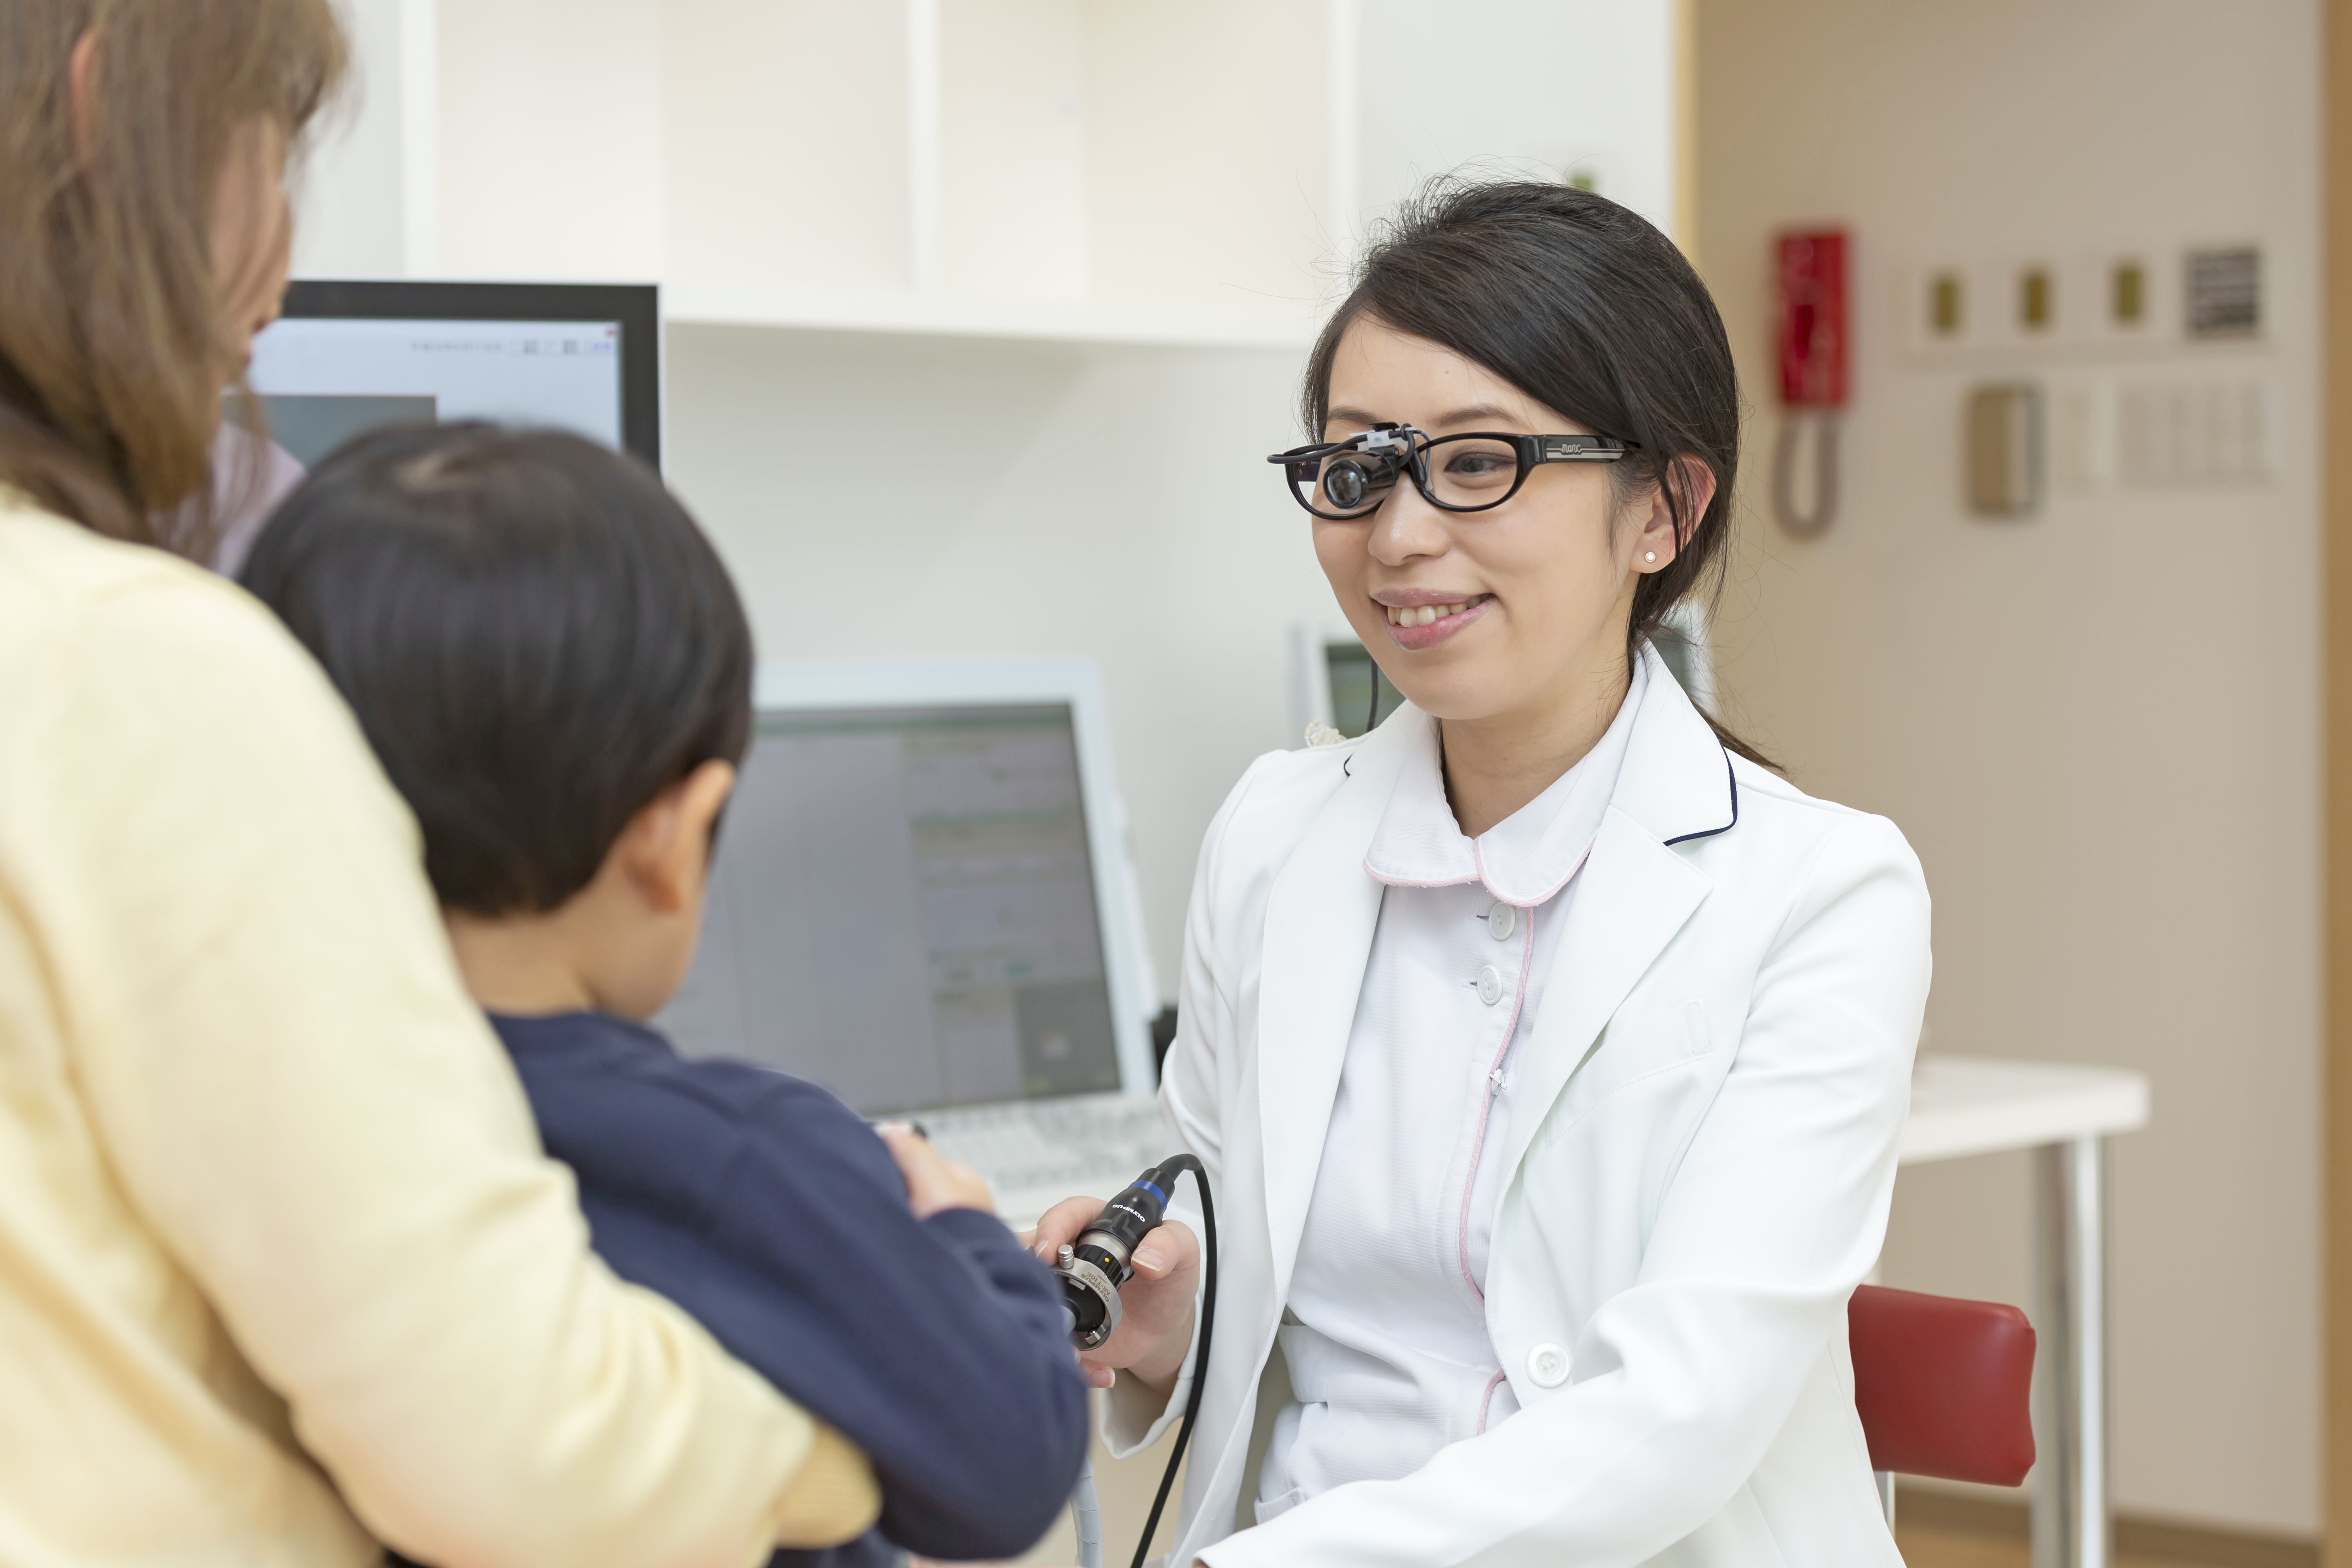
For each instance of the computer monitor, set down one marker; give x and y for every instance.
(345, 356)
(921, 895)
(1332, 680)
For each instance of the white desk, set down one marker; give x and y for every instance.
(1982, 1105)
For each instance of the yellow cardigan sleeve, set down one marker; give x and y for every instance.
(300, 1100)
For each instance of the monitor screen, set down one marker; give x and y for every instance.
(348, 357)
(902, 909)
(323, 381)
(1351, 676)
(578, 356)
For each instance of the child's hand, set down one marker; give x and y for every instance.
(934, 1181)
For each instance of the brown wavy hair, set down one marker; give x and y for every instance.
(112, 329)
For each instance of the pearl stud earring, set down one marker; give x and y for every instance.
(1650, 556)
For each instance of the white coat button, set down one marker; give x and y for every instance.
(1548, 1365)
(1490, 984)
(1501, 921)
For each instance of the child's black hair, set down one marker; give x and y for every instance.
(536, 638)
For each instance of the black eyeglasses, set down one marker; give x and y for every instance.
(1350, 479)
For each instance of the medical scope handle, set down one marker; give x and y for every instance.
(1093, 1269)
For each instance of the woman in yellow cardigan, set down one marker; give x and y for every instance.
(283, 1272)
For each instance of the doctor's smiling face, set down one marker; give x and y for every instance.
(1499, 616)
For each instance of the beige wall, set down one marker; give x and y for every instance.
(2100, 727)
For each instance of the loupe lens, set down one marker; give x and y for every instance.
(1345, 484)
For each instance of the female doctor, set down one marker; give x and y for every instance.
(1547, 1054)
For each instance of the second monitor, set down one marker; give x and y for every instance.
(910, 901)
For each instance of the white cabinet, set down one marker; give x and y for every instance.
(1059, 168)
(789, 160)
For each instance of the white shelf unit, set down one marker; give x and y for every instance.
(1106, 321)
(1059, 169)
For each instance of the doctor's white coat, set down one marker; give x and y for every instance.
(1701, 1152)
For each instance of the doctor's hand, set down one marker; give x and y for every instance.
(1155, 1324)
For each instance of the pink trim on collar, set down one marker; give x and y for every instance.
(1418, 830)
(1582, 855)
(1478, 874)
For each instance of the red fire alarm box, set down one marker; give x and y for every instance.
(1812, 296)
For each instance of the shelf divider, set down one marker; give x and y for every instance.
(924, 187)
(1105, 321)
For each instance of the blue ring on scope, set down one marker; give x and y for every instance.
(1153, 1189)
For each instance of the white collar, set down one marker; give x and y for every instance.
(1523, 859)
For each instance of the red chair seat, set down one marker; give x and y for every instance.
(1943, 1384)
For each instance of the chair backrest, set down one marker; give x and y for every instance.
(1943, 1384)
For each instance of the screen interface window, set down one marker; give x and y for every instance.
(902, 909)
(1350, 672)
(323, 380)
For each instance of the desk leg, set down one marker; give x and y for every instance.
(2070, 1373)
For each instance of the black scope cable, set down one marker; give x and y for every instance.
(1201, 1361)
(1093, 1267)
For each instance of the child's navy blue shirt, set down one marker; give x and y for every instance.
(764, 1207)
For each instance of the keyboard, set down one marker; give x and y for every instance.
(1036, 1153)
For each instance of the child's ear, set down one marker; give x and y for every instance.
(669, 839)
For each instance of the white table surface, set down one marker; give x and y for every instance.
(1978, 1105)
(1959, 1105)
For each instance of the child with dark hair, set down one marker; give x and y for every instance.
(554, 668)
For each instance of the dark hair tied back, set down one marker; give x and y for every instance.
(1587, 308)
